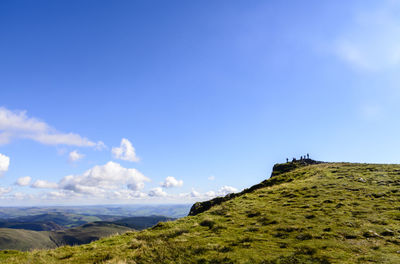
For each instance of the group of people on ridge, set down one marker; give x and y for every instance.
(301, 158)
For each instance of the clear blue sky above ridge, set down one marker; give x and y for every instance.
(211, 93)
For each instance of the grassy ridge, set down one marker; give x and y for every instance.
(323, 213)
(24, 239)
(27, 239)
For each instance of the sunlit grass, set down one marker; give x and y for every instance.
(324, 213)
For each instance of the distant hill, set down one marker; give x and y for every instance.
(28, 239)
(125, 210)
(35, 226)
(24, 239)
(142, 222)
(86, 233)
(21, 239)
(50, 221)
(305, 213)
(61, 221)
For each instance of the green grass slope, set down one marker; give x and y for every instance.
(24, 240)
(321, 213)
(86, 233)
(142, 222)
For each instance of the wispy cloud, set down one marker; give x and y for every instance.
(372, 42)
(4, 190)
(17, 124)
(74, 156)
(371, 112)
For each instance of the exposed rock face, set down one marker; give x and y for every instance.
(289, 166)
(278, 169)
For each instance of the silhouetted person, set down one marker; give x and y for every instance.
(294, 159)
(287, 160)
(308, 156)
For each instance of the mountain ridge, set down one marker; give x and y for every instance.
(277, 169)
(319, 213)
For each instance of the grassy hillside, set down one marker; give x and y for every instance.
(26, 239)
(142, 222)
(321, 213)
(86, 233)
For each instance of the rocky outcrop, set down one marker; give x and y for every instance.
(280, 168)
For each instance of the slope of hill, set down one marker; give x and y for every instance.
(320, 213)
(142, 222)
(86, 233)
(28, 240)
(24, 240)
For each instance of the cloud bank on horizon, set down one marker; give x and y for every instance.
(110, 182)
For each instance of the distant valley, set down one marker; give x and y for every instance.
(57, 228)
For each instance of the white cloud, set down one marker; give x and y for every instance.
(195, 194)
(23, 181)
(4, 138)
(75, 156)
(42, 184)
(99, 180)
(171, 182)
(126, 195)
(4, 163)
(100, 145)
(211, 178)
(56, 194)
(224, 190)
(157, 192)
(16, 124)
(5, 190)
(125, 151)
(372, 43)
(210, 194)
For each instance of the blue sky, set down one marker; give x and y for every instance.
(179, 101)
